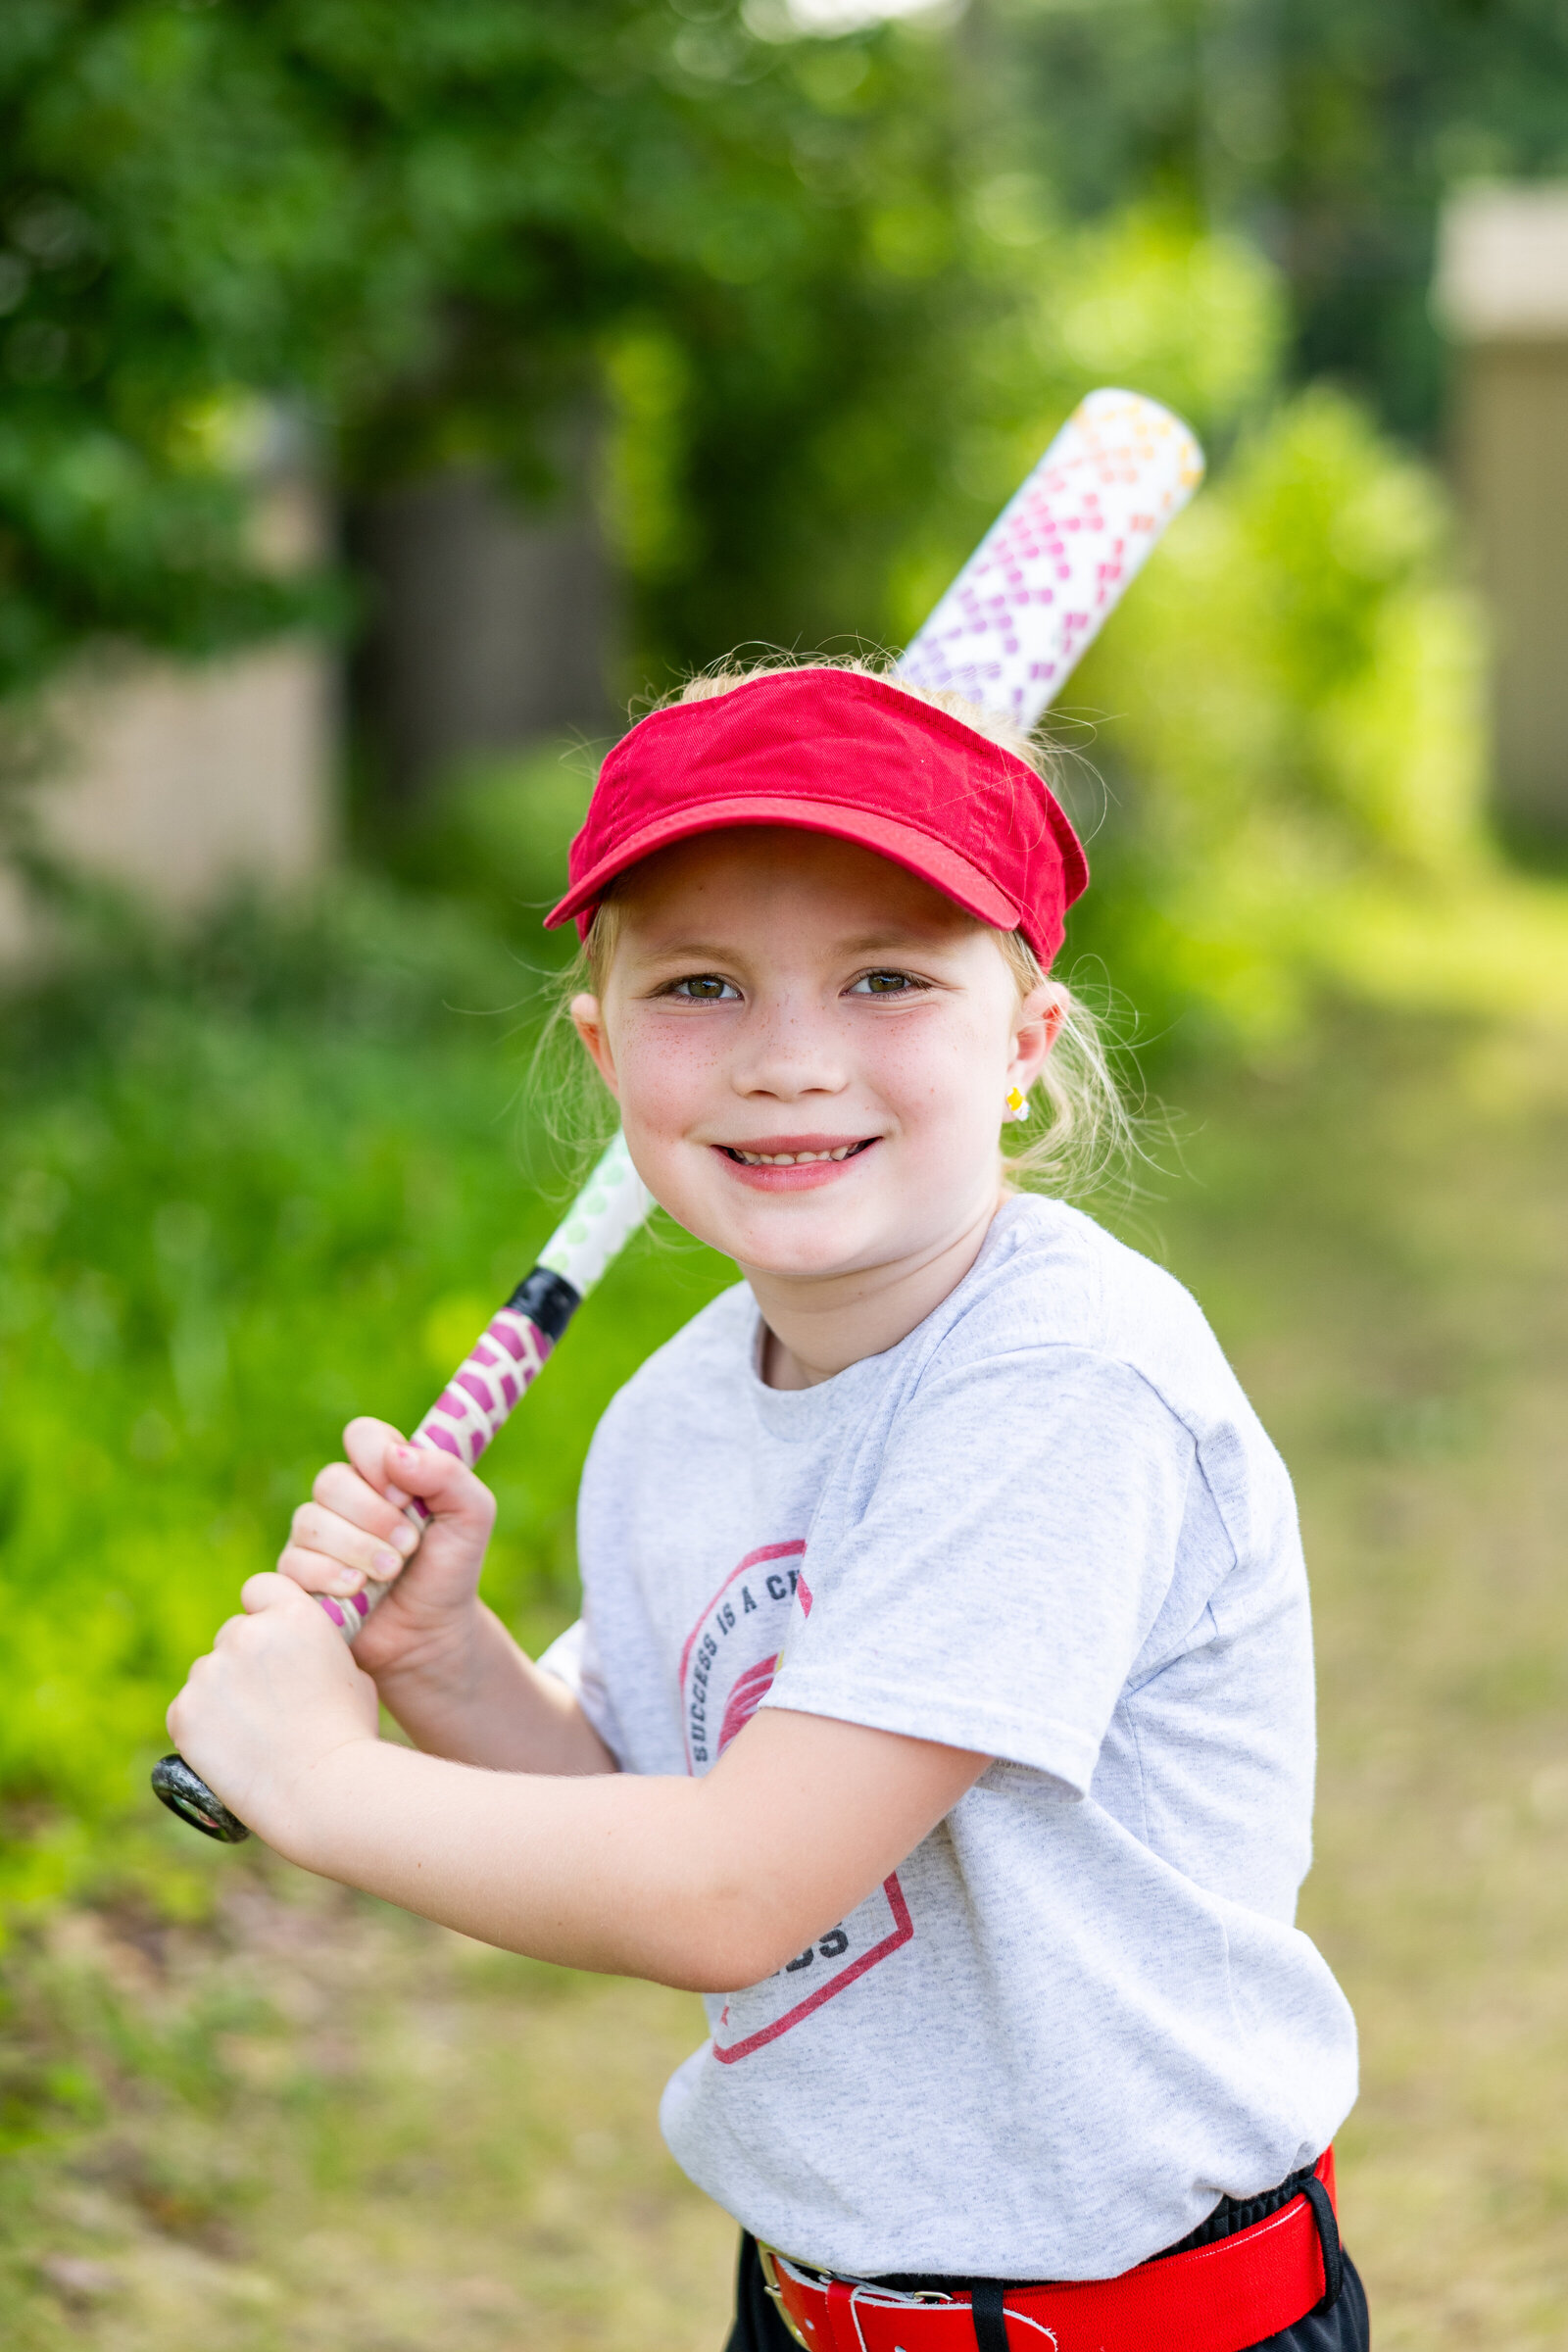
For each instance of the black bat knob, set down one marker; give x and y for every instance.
(184, 1792)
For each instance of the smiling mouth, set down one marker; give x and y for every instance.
(793, 1160)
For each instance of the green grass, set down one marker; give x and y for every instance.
(1386, 1251)
(315, 2124)
(246, 1190)
(253, 1188)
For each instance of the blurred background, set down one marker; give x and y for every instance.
(392, 392)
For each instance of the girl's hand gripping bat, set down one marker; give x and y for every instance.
(1025, 608)
(505, 1360)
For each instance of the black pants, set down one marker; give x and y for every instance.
(758, 2329)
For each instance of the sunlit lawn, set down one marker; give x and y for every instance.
(328, 2128)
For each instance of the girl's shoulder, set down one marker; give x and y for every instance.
(1056, 1292)
(1048, 1275)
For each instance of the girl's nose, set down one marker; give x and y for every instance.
(787, 1055)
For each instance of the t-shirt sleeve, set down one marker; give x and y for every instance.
(574, 1659)
(1013, 1559)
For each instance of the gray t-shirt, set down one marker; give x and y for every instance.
(1046, 1525)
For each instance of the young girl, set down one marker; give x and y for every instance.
(942, 1703)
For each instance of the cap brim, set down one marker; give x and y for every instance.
(919, 854)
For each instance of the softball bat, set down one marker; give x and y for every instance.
(503, 1363)
(1036, 592)
(1008, 634)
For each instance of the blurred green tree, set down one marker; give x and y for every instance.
(423, 225)
(832, 296)
(807, 277)
(1328, 131)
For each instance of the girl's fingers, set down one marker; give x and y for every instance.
(396, 1469)
(447, 1486)
(317, 1573)
(368, 1447)
(316, 1530)
(349, 1497)
(365, 1443)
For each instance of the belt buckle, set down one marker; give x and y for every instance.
(771, 2286)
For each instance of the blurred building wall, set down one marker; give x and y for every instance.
(179, 782)
(490, 625)
(1502, 294)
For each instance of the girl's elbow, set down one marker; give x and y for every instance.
(730, 1943)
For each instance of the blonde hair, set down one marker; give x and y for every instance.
(1079, 1129)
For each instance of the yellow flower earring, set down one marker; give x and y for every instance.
(1017, 1104)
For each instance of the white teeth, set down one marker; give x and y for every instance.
(788, 1160)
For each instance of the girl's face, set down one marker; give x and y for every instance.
(811, 1052)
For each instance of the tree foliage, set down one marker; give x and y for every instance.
(806, 279)
(1328, 131)
(423, 225)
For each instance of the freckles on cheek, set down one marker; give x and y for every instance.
(946, 1079)
(666, 1080)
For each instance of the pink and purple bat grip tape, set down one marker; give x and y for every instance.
(506, 1359)
(502, 1365)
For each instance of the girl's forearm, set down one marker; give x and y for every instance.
(708, 1883)
(703, 1884)
(614, 1873)
(485, 1702)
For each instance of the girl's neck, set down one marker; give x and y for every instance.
(814, 1329)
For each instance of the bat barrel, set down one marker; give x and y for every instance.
(1037, 590)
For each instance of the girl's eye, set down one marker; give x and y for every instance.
(885, 984)
(705, 988)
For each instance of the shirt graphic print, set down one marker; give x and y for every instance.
(732, 1652)
(727, 1667)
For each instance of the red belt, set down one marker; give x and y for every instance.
(1222, 2297)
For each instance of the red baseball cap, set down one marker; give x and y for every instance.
(831, 751)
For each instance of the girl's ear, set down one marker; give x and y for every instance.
(1036, 1029)
(587, 1019)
